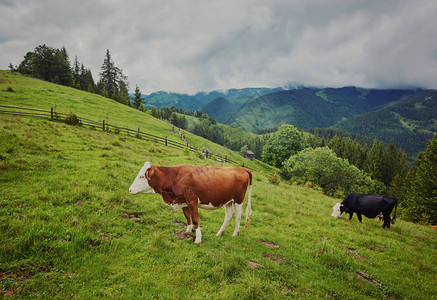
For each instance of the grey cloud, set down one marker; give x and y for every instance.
(187, 46)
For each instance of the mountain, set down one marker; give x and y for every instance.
(221, 108)
(408, 116)
(161, 98)
(409, 122)
(312, 107)
(198, 100)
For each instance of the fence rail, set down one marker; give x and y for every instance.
(105, 126)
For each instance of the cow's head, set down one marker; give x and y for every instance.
(141, 184)
(337, 210)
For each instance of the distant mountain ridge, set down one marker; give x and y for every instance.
(198, 100)
(408, 116)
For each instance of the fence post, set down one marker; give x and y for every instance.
(206, 153)
(166, 141)
(243, 165)
(138, 130)
(103, 125)
(51, 112)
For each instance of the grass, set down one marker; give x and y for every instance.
(70, 229)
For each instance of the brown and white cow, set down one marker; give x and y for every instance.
(190, 187)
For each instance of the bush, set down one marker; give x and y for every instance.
(334, 175)
(274, 177)
(72, 119)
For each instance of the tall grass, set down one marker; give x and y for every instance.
(70, 229)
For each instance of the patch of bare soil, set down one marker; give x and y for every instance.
(277, 260)
(369, 278)
(183, 235)
(253, 265)
(351, 251)
(269, 244)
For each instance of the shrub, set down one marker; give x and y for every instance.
(72, 119)
(334, 175)
(274, 177)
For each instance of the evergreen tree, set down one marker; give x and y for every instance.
(76, 73)
(123, 92)
(420, 204)
(373, 164)
(109, 76)
(137, 99)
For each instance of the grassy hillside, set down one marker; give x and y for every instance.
(36, 94)
(70, 229)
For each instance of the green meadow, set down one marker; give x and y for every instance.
(70, 228)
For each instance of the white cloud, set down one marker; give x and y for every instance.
(193, 45)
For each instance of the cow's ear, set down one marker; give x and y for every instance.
(149, 173)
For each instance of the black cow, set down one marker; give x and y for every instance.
(368, 205)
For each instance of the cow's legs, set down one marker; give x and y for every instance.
(359, 217)
(387, 220)
(238, 213)
(186, 211)
(195, 217)
(229, 211)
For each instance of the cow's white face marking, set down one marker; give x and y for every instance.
(337, 212)
(140, 184)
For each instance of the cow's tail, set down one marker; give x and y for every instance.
(249, 207)
(393, 221)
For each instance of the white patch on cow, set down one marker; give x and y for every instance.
(198, 236)
(178, 206)
(229, 212)
(209, 206)
(190, 228)
(140, 184)
(238, 213)
(337, 212)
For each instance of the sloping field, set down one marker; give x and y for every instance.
(70, 228)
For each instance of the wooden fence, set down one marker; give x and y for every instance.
(105, 126)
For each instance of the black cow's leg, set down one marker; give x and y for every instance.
(387, 220)
(359, 217)
(350, 215)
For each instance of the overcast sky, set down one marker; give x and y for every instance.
(201, 45)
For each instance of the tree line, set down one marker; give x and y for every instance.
(207, 127)
(53, 65)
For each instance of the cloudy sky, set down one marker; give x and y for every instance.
(201, 45)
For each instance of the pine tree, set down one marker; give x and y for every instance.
(420, 204)
(137, 99)
(109, 76)
(123, 90)
(76, 73)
